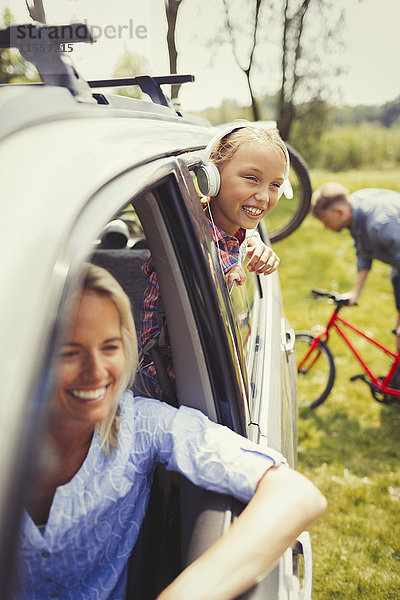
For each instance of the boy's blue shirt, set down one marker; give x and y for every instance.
(376, 226)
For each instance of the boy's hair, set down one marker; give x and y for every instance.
(328, 195)
(100, 281)
(226, 148)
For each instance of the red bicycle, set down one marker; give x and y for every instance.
(316, 367)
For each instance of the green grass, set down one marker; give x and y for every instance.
(349, 446)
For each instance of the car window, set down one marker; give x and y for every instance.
(167, 222)
(246, 308)
(243, 307)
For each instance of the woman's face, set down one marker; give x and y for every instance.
(91, 361)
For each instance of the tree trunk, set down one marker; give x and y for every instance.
(286, 114)
(254, 106)
(36, 11)
(282, 119)
(171, 11)
(293, 28)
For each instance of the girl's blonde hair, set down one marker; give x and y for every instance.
(100, 281)
(227, 146)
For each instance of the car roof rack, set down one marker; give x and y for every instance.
(56, 68)
(53, 65)
(148, 84)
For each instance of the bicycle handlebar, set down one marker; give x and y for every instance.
(340, 299)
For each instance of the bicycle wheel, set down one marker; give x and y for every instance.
(290, 213)
(315, 373)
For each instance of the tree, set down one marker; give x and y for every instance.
(14, 68)
(171, 11)
(293, 27)
(391, 112)
(312, 119)
(249, 63)
(301, 64)
(286, 25)
(129, 65)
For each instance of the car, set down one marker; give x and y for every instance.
(96, 177)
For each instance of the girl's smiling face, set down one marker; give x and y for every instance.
(250, 183)
(91, 362)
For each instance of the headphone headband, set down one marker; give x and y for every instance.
(217, 137)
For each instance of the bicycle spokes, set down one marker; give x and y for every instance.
(316, 370)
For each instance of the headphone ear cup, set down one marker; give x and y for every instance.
(208, 179)
(286, 187)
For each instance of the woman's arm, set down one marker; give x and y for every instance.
(284, 505)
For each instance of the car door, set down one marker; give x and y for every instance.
(260, 341)
(42, 272)
(270, 371)
(206, 376)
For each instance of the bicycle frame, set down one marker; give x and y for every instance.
(381, 384)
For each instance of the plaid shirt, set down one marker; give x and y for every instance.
(231, 250)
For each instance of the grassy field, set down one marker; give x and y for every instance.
(350, 446)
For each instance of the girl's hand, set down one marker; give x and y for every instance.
(235, 274)
(263, 258)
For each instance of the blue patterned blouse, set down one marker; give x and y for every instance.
(95, 518)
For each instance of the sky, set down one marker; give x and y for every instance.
(371, 47)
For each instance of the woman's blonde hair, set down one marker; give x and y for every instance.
(100, 281)
(227, 146)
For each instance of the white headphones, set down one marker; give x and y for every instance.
(208, 177)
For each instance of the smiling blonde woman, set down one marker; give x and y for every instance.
(85, 511)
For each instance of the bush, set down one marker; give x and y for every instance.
(365, 146)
